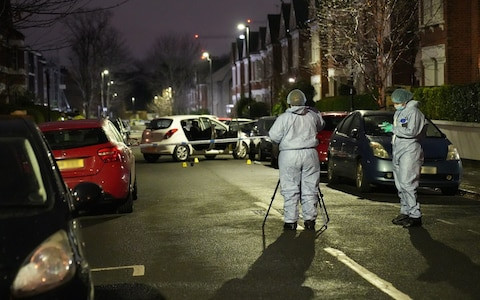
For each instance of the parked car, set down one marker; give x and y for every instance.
(360, 150)
(260, 144)
(94, 151)
(184, 135)
(42, 251)
(332, 119)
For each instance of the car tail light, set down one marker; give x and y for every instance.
(147, 133)
(109, 154)
(170, 133)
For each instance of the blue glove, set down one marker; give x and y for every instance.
(386, 127)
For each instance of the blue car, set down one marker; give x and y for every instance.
(360, 150)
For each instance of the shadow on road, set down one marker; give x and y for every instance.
(127, 291)
(278, 273)
(446, 264)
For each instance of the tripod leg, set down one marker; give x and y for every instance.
(323, 209)
(273, 197)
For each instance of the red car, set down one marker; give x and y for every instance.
(332, 118)
(94, 151)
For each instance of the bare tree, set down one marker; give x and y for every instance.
(173, 60)
(368, 38)
(94, 46)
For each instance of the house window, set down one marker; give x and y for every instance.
(432, 12)
(433, 60)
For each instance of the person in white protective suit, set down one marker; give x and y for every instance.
(408, 128)
(295, 131)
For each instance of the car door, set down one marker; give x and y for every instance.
(350, 145)
(337, 145)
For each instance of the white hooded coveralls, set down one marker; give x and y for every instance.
(408, 126)
(296, 133)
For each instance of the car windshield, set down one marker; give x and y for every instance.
(75, 138)
(159, 124)
(331, 122)
(372, 126)
(20, 177)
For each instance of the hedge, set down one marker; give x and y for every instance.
(451, 103)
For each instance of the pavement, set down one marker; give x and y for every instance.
(470, 183)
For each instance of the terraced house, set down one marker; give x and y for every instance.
(372, 46)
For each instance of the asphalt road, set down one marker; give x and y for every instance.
(196, 233)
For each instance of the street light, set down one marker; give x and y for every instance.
(206, 55)
(102, 99)
(246, 37)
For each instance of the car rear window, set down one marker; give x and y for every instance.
(75, 138)
(159, 124)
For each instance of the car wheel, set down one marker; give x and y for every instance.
(361, 182)
(449, 191)
(251, 154)
(135, 190)
(127, 206)
(181, 153)
(241, 151)
(332, 177)
(151, 158)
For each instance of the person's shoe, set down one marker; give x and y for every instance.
(290, 226)
(400, 219)
(309, 225)
(412, 222)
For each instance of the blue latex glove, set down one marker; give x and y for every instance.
(386, 127)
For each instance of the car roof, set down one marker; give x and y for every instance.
(335, 113)
(72, 124)
(374, 112)
(181, 117)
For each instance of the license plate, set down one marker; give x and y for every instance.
(428, 170)
(66, 164)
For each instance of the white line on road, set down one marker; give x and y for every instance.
(446, 222)
(138, 270)
(383, 285)
(473, 231)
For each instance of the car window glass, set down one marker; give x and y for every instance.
(20, 177)
(75, 138)
(113, 132)
(159, 124)
(432, 130)
(345, 125)
(372, 124)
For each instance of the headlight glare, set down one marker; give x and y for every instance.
(452, 153)
(48, 266)
(378, 150)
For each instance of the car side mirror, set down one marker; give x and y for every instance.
(86, 194)
(354, 133)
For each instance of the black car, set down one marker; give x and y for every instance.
(261, 147)
(42, 255)
(360, 150)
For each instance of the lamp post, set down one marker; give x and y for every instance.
(102, 99)
(206, 55)
(247, 52)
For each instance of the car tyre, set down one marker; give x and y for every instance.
(181, 153)
(151, 158)
(262, 155)
(135, 190)
(241, 151)
(127, 206)
(361, 181)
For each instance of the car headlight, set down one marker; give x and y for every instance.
(48, 266)
(378, 150)
(452, 153)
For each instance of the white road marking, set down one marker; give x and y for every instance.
(138, 270)
(473, 231)
(381, 284)
(446, 222)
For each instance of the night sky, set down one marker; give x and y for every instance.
(214, 20)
